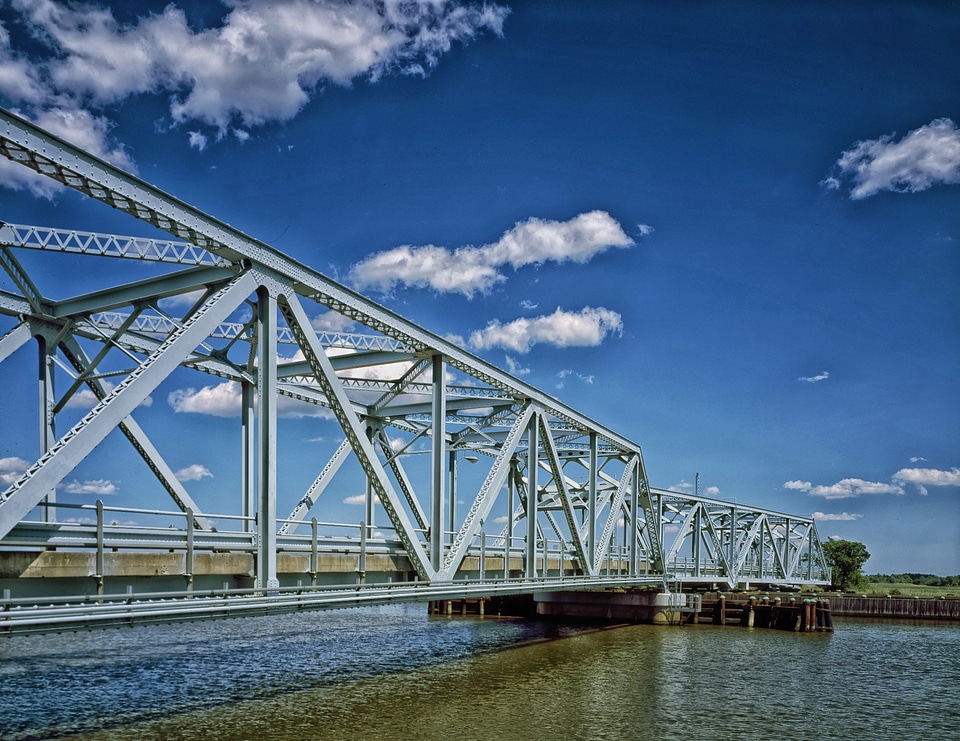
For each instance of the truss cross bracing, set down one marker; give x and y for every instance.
(548, 491)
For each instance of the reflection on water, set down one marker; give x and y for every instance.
(394, 673)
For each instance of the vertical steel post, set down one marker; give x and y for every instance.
(786, 549)
(634, 528)
(452, 499)
(697, 537)
(368, 502)
(509, 538)
(533, 453)
(248, 446)
(267, 439)
(733, 540)
(592, 501)
(438, 462)
(763, 543)
(47, 400)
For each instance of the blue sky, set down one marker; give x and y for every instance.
(728, 231)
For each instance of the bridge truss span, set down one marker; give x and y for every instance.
(463, 471)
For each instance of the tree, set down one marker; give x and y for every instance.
(845, 557)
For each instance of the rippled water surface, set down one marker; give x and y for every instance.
(395, 673)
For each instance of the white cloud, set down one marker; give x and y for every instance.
(222, 400)
(586, 328)
(712, 491)
(924, 477)
(917, 459)
(182, 300)
(226, 400)
(263, 62)
(845, 488)
(360, 499)
(11, 469)
(925, 157)
(331, 321)
(198, 140)
(515, 368)
(471, 270)
(98, 487)
(815, 379)
(567, 373)
(195, 472)
(849, 488)
(835, 517)
(87, 131)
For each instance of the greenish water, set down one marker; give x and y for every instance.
(395, 673)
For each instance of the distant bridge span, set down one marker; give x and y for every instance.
(551, 499)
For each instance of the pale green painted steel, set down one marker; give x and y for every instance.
(394, 375)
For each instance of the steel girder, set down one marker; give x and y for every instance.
(396, 390)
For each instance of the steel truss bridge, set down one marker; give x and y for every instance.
(549, 499)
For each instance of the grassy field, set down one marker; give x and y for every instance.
(907, 590)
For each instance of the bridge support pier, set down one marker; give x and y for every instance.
(622, 607)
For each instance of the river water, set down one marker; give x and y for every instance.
(396, 673)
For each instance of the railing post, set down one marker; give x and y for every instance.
(99, 575)
(189, 560)
(362, 563)
(313, 552)
(483, 555)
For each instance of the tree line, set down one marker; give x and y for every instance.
(846, 558)
(929, 580)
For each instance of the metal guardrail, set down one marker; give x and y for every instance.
(100, 536)
(25, 616)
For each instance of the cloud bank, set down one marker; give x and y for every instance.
(850, 488)
(927, 156)
(471, 270)
(262, 64)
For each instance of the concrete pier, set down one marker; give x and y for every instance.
(614, 606)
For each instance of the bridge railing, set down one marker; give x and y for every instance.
(101, 528)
